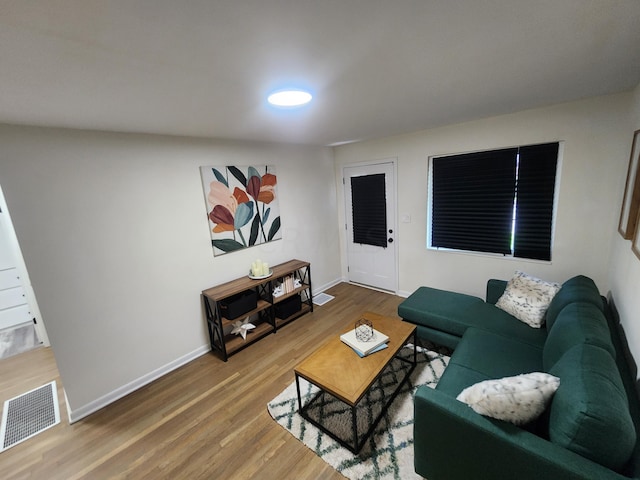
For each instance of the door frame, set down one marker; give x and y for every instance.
(21, 267)
(369, 163)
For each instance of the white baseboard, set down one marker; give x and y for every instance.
(118, 393)
(91, 407)
(326, 286)
(399, 293)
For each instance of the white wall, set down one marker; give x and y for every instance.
(114, 234)
(596, 142)
(624, 265)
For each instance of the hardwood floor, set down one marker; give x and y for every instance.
(207, 419)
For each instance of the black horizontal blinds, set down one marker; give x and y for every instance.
(473, 198)
(369, 204)
(535, 193)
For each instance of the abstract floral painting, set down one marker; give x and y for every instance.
(242, 206)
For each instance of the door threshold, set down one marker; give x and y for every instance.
(377, 289)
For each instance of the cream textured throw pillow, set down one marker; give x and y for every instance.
(527, 298)
(518, 399)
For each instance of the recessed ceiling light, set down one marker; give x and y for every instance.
(289, 98)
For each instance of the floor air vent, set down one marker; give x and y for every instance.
(322, 298)
(29, 414)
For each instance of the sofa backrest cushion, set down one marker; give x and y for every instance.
(589, 413)
(577, 323)
(576, 289)
(495, 289)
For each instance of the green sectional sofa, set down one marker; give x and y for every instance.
(590, 428)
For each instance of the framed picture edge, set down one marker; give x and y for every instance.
(631, 200)
(635, 242)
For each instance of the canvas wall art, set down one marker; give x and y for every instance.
(242, 206)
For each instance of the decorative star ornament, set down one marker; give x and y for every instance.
(241, 327)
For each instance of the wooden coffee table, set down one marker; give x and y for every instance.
(338, 371)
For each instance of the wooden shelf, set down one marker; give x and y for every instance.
(236, 342)
(264, 314)
(283, 321)
(262, 305)
(290, 294)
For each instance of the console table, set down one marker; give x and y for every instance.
(264, 315)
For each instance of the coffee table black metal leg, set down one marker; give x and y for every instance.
(354, 425)
(298, 389)
(358, 442)
(302, 410)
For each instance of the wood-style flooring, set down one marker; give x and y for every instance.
(205, 420)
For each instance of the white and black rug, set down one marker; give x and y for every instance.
(388, 453)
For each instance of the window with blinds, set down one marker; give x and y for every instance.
(499, 201)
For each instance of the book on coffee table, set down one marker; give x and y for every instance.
(364, 348)
(377, 349)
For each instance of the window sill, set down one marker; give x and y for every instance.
(497, 256)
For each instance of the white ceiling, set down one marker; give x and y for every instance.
(375, 67)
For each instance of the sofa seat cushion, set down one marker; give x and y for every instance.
(488, 317)
(438, 337)
(453, 313)
(438, 309)
(576, 324)
(483, 355)
(589, 413)
(456, 378)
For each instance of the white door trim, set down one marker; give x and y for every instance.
(21, 267)
(394, 164)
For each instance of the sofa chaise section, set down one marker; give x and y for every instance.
(591, 426)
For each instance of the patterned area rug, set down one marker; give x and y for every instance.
(388, 453)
